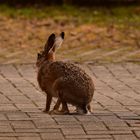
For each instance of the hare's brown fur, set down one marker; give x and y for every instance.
(74, 82)
(66, 81)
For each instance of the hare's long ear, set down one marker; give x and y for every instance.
(62, 35)
(49, 44)
(58, 41)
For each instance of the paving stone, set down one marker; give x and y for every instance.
(62, 119)
(5, 128)
(103, 139)
(9, 71)
(33, 94)
(8, 138)
(39, 115)
(68, 126)
(115, 123)
(52, 136)
(126, 114)
(23, 106)
(19, 99)
(68, 122)
(78, 139)
(35, 130)
(89, 136)
(2, 117)
(94, 126)
(4, 100)
(4, 122)
(13, 134)
(31, 107)
(133, 69)
(116, 106)
(7, 89)
(87, 118)
(22, 124)
(7, 107)
(29, 138)
(133, 123)
(74, 131)
(137, 133)
(45, 123)
(17, 116)
(125, 137)
(27, 71)
(119, 132)
(123, 128)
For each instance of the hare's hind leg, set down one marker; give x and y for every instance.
(64, 109)
(56, 107)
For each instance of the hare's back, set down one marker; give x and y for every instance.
(65, 69)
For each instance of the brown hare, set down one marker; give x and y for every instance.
(65, 81)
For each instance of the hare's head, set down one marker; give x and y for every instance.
(48, 54)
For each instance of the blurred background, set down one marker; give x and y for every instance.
(97, 31)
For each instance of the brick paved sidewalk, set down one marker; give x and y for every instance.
(116, 106)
